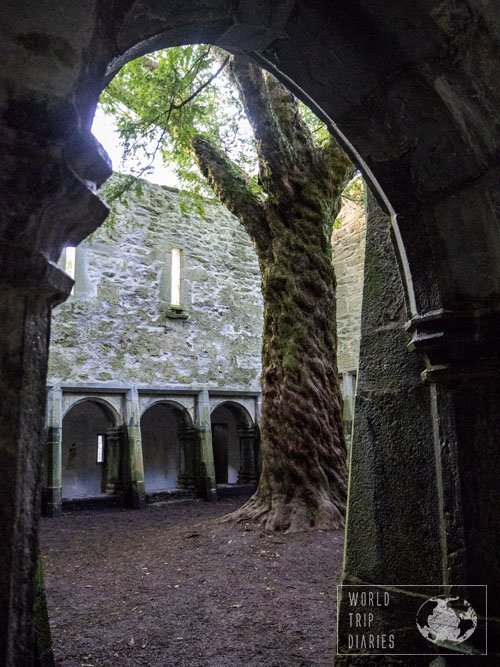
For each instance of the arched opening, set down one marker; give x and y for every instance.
(234, 441)
(163, 428)
(91, 451)
(412, 88)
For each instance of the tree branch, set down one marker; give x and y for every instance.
(284, 143)
(231, 185)
(200, 88)
(336, 166)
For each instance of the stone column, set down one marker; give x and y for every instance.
(48, 193)
(134, 494)
(463, 372)
(189, 439)
(52, 489)
(393, 517)
(29, 285)
(247, 473)
(113, 477)
(423, 507)
(207, 484)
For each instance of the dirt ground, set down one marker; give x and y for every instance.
(172, 586)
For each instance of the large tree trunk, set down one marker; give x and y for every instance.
(289, 212)
(303, 481)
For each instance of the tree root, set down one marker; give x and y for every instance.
(277, 513)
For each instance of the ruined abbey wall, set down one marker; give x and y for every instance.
(120, 327)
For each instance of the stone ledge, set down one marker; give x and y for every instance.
(175, 313)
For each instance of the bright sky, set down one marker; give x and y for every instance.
(105, 132)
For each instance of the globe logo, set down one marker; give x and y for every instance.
(444, 620)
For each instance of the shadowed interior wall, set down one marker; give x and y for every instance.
(348, 257)
(160, 447)
(81, 474)
(123, 329)
(118, 325)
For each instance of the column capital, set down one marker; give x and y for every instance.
(457, 345)
(114, 433)
(23, 269)
(188, 432)
(49, 201)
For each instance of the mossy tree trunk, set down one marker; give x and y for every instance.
(303, 480)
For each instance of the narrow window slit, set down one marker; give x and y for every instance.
(175, 293)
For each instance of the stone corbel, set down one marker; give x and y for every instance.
(457, 345)
(22, 269)
(173, 312)
(49, 192)
(87, 159)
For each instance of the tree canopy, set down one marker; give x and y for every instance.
(161, 102)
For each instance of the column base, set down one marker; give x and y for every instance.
(207, 488)
(187, 482)
(52, 501)
(134, 497)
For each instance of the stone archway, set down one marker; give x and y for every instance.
(235, 444)
(91, 451)
(164, 429)
(413, 87)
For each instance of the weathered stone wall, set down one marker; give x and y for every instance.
(348, 252)
(119, 327)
